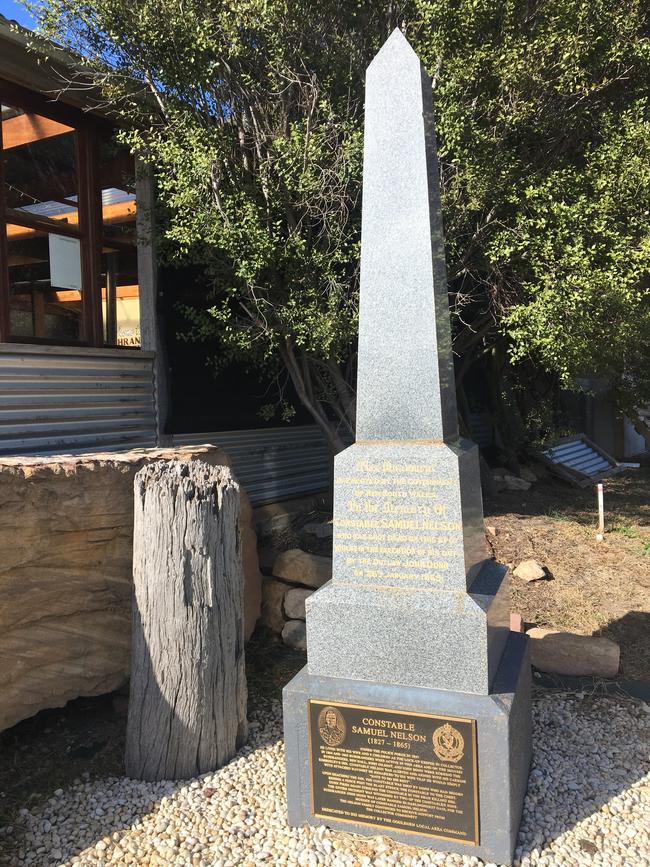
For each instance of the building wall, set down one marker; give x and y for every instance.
(56, 399)
(634, 444)
(595, 415)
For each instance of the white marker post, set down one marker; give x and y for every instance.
(600, 535)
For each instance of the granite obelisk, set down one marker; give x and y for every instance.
(413, 712)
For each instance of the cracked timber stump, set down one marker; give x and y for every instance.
(187, 708)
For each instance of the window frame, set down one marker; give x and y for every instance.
(87, 131)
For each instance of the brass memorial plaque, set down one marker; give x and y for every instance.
(395, 770)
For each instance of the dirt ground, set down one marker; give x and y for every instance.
(595, 588)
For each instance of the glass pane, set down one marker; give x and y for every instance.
(40, 165)
(117, 178)
(44, 284)
(120, 298)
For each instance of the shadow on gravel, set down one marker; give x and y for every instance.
(589, 749)
(589, 752)
(49, 750)
(84, 741)
(101, 805)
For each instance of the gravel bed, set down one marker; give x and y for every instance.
(588, 803)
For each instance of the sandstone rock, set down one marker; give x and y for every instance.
(514, 483)
(578, 655)
(527, 474)
(323, 530)
(505, 479)
(66, 538)
(272, 519)
(529, 570)
(294, 634)
(266, 556)
(250, 563)
(273, 593)
(299, 567)
(294, 603)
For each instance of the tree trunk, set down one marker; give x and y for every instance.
(187, 709)
(507, 424)
(302, 385)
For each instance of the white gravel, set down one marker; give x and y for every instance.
(588, 803)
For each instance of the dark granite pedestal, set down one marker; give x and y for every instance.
(342, 771)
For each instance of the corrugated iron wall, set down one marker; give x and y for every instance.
(57, 400)
(272, 464)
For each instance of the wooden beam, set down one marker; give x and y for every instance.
(47, 105)
(24, 224)
(120, 212)
(5, 327)
(65, 295)
(125, 292)
(27, 128)
(90, 216)
(16, 261)
(38, 314)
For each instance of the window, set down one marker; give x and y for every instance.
(43, 241)
(120, 297)
(45, 285)
(119, 266)
(68, 251)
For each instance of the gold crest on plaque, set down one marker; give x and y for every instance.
(331, 726)
(448, 743)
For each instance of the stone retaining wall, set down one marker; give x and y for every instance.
(66, 537)
(296, 574)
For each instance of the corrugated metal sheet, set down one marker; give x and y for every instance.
(579, 455)
(66, 401)
(111, 196)
(273, 463)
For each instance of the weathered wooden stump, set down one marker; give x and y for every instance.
(187, 708)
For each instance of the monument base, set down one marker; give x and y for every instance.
(432, 768)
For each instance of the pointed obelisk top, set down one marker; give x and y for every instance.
(406, 378)
(396, 46)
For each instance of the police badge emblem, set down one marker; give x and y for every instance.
(448, 743)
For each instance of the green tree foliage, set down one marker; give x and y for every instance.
(544, 137)
(250, 112)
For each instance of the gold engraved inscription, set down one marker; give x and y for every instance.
(395, 525)
(388, 772)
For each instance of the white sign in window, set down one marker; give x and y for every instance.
(65, 262)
